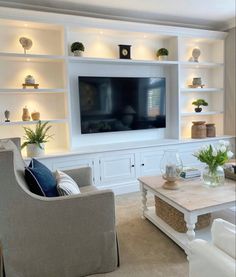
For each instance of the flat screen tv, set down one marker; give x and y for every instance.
(110, 104)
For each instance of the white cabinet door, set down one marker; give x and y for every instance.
(71, 163)
(150, 163)
(117, 168)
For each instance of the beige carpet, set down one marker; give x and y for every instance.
(144, 249)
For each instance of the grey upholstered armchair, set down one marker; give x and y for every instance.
(66, 236)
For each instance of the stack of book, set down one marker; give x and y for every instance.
(230, 170)
(190, 172)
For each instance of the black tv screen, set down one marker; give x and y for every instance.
(110, 104)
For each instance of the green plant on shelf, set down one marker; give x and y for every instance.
(198, 103)
(162, 52)
(37, 136)
(77, 46)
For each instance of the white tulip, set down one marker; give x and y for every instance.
(214, 153)
(227, 143)
(230, 154)
(221, 142)
(222, 148)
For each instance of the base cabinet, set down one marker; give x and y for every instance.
(150, 163)
(119, 169)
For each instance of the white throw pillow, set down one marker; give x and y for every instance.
(65, 184)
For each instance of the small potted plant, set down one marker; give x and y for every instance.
(77, 48)
(162, 54)
(35, 139)
(198, 103)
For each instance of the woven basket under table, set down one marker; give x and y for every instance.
(175, 218)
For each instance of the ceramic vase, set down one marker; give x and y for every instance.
(211, 130)
(26, 114)
(162, 58)
(198, 129)
(33, 150)
(198, 110)
(29, 79)
(35, 116)
(78, 53)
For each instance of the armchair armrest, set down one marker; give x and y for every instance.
(210, 260)
(224, 236)
(82, 176)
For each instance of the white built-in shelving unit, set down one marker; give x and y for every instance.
(56, 70)
(46, 62)
(211, 69)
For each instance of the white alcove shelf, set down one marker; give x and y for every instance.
(47, 64)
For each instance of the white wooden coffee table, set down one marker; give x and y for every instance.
(192, 199)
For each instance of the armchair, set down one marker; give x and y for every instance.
(218, 258)
(66, 236)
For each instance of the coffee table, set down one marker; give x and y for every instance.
(192, 199)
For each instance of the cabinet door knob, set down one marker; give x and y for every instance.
(142, 164)
(132, 165)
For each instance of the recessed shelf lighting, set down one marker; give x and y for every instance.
(28, 60)
(26, 25)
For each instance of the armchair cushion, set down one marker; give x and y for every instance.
(224, 236)
(40, 179)
(65, 184)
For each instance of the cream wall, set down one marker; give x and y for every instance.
(230, 75)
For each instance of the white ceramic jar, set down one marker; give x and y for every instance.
(29, 79)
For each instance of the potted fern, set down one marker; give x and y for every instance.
(35, 139)
(77, 48)
(162, 54)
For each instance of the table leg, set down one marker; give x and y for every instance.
(144, 201)
(190, 223)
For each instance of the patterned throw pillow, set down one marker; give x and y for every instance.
(40, 179)
(65, 184)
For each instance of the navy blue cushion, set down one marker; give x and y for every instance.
(40, 179)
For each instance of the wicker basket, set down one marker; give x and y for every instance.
(175, 218)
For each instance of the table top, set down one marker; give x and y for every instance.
(192, 195)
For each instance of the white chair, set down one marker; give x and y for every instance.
(216, 258)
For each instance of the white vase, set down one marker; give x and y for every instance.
(29, 79)
(33, 150)
(163, 58)
(78, 53)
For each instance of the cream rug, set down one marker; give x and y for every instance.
(144, 250)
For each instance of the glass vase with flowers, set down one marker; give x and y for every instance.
(215, 156)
